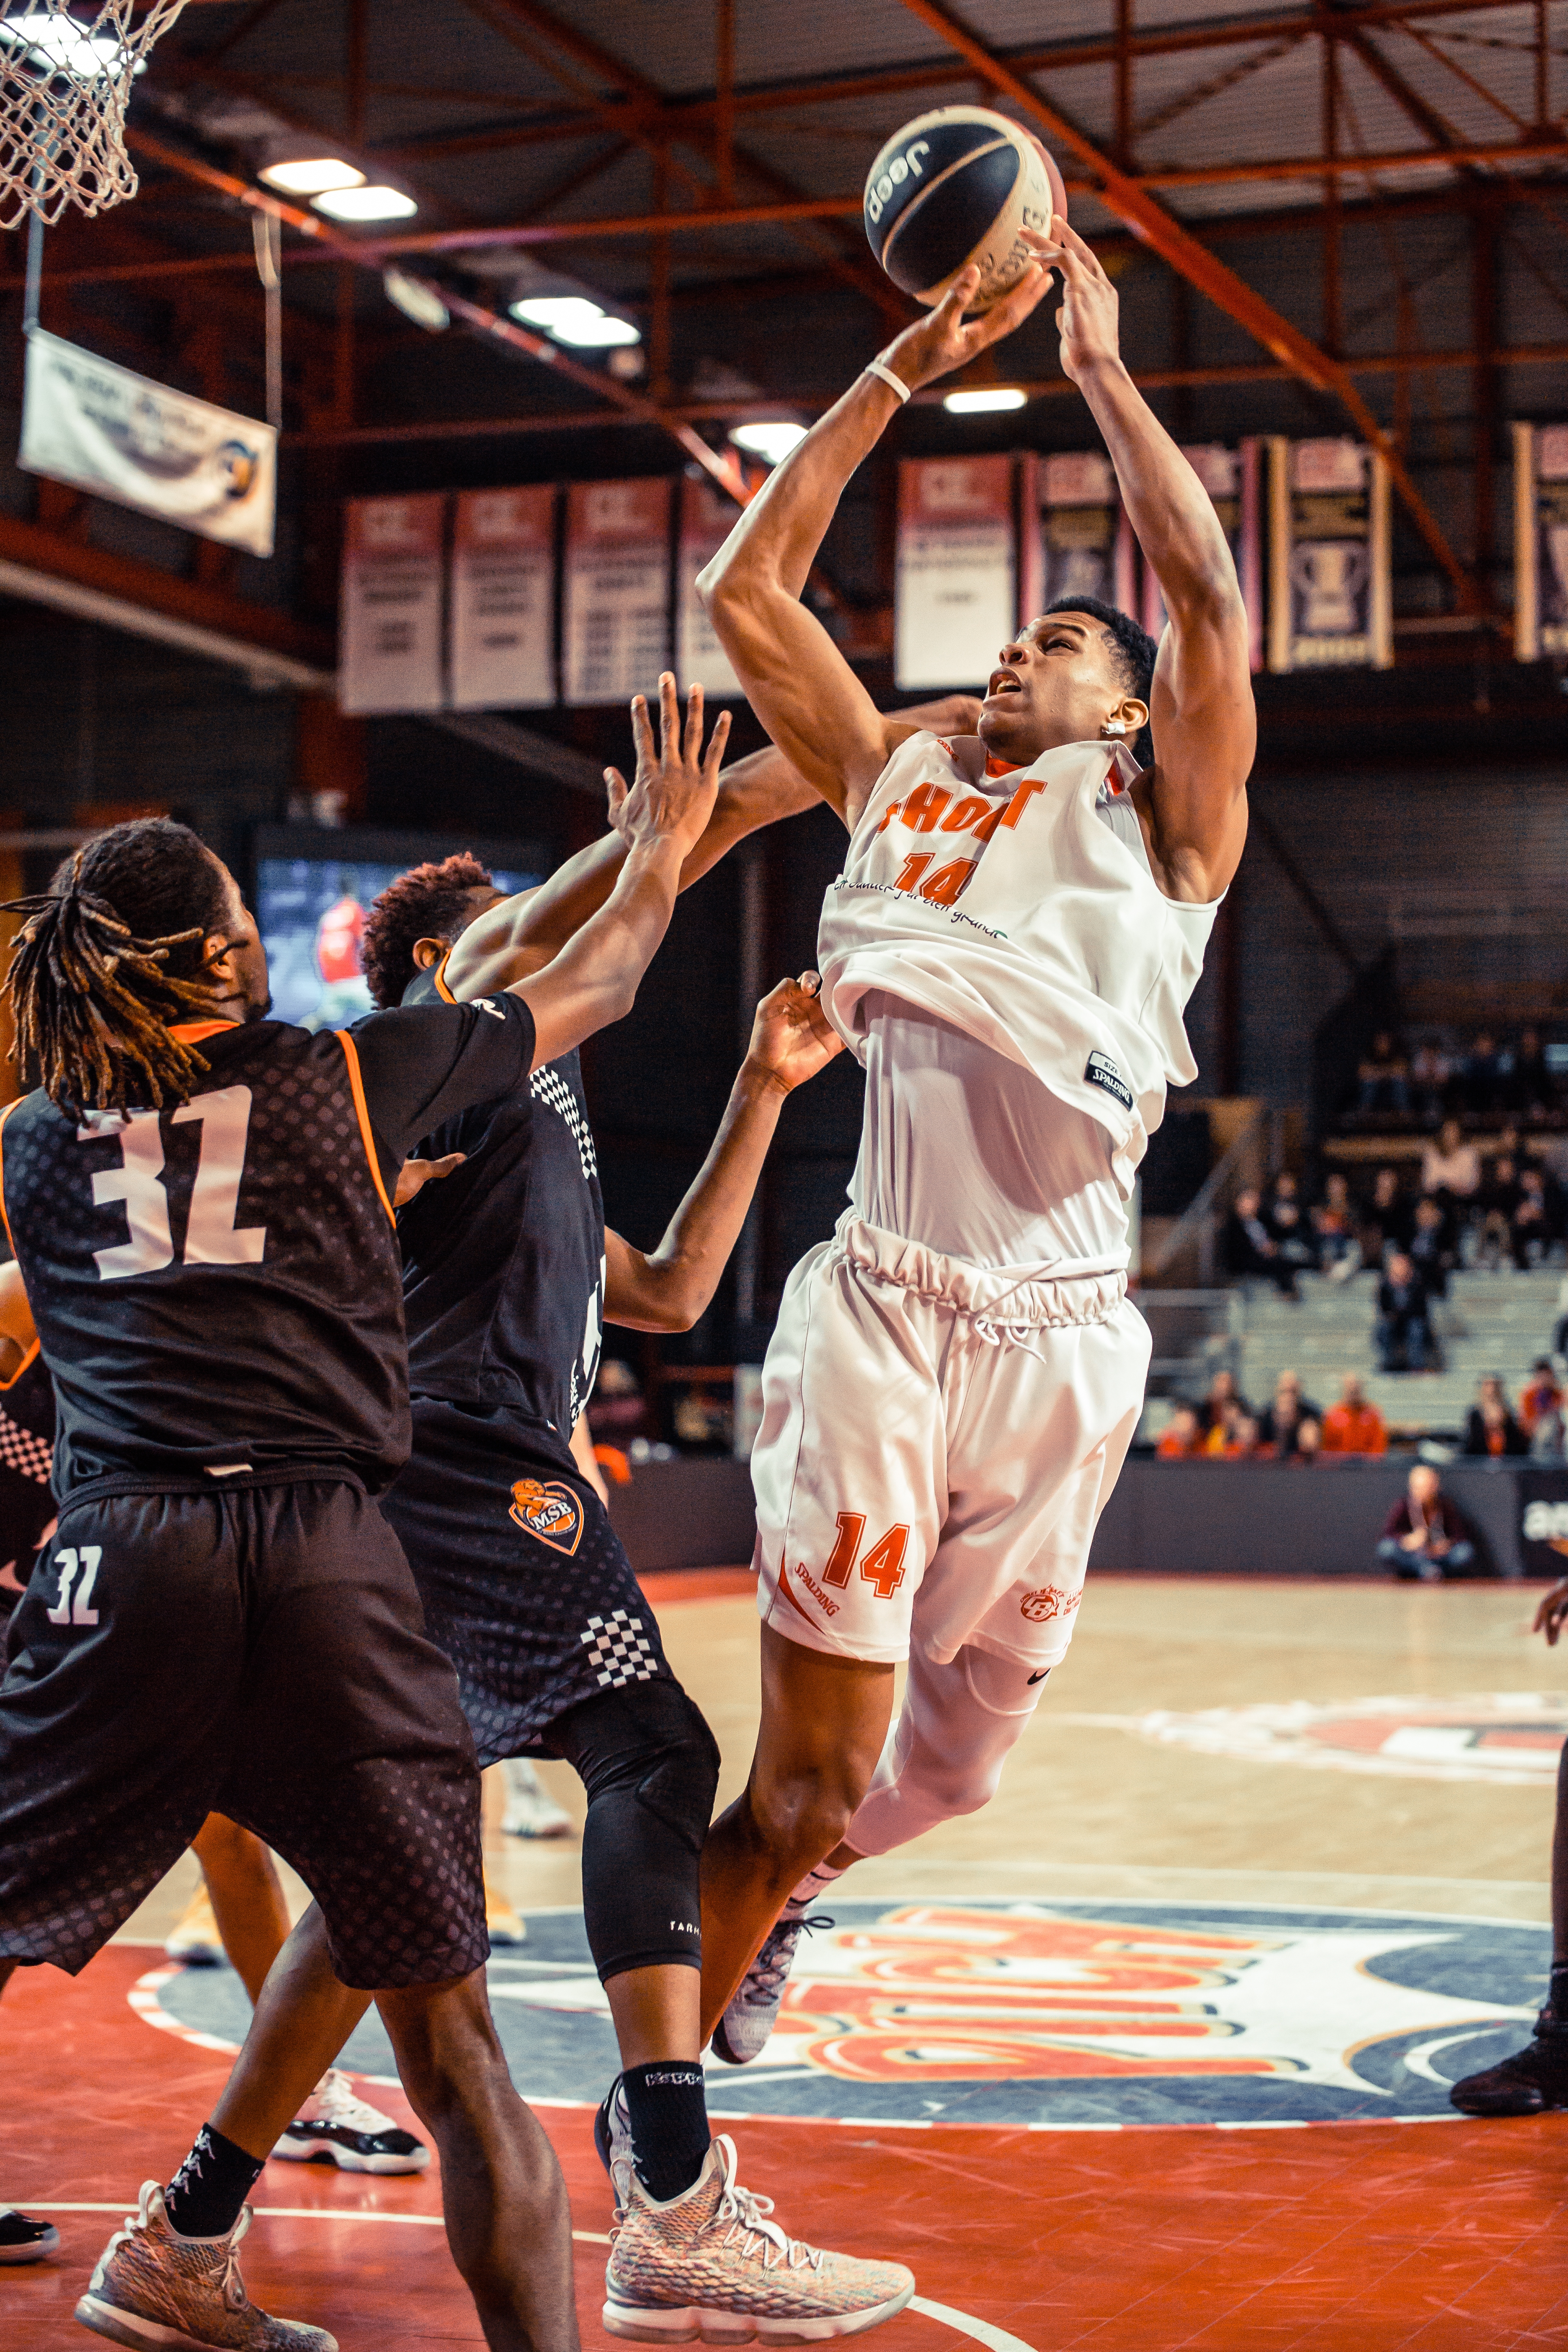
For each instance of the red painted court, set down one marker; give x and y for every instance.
(1384, 2238)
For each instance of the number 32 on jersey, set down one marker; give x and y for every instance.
(212, 1237)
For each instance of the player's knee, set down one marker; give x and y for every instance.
(445, 2041)
(802, 1808)
(646, 1743)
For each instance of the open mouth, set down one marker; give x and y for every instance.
(1003, 682)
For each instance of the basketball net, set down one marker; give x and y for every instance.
(65, 83)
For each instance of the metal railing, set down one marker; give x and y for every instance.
(1197, 1227)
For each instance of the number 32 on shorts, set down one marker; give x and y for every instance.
(79, 1569)
(883, 1565)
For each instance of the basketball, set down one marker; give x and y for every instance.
(956, 186)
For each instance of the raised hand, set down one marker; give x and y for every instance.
(415, 1174)
(792, 1037)
(946, 340)
(1089, 313)
(672, 795)
(1550, 1616)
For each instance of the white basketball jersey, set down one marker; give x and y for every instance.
(1010, 908)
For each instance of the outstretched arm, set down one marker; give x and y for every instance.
(796, 680)
(594, 979)
(520, 935)
(666, 1289)
(1192, 804)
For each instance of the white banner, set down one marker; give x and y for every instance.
(956, 600)
(1330, 583)
(103, 429)
(1539, 541)
(389, 653)
(616, 599)
(503, 599)
(707, 519)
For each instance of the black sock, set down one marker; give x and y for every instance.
(204, 2198)
(669, 2110)
(1557, 1995)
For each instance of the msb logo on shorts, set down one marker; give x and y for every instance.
(1049, 1600)
(1099, 1070)
(551, 1512)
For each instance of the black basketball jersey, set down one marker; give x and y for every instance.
(216, 1286)
(503, 1261)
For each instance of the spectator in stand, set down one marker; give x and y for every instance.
(1424, 1537)
(1222, 1392)
(1485, 1070)
(1334, 1231)
(1451, 1168)
(1279, 1423)
(1531, 1228)
(1250, 1249)
(1431, 1074)
(1492, 1427)
(1384, 1077)
(1308, 1440)
(1234, 1435)
(1539, 1395)
(1404, 1328)
(1287, 1225)
(1181, 1438)
(1431, 1250)
(1386, 1223)
(1354, 1426)
(1531, 1093)
(1497, 1201)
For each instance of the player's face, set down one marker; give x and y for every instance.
(236, 960)
(1058, 682)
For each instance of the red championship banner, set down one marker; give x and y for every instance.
(1539, 541)
(616, 601)
(1330, 583)
(1231, 478)
(1077, 541)
(956, 595)
(390, 655)
(503, 599)
(707, 519)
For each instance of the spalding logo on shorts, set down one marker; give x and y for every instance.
(551, 1512)
(1048, 1602)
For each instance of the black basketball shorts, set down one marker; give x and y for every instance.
(257, 1651)
(525, 1582)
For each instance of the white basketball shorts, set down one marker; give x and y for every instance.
(938, 1442)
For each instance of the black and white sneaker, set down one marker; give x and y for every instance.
(336, 2126)
(741, 2033)
(613, 2128)
(1533, 2082)
(25, 2241)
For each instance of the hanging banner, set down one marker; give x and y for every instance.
(389, 653)
(1084, 544)
(1330, 586)
(955, 603)
(503, 599)
(1539, 541)
(616, 603)
(707, 519)
(1230, 477)
(103, 429)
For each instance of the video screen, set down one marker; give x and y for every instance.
(313, 890)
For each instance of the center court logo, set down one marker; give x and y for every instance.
(1071, 2015)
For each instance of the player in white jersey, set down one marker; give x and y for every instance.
(957, 1374)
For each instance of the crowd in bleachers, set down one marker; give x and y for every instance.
(1400, 1087)
(1292, 1428)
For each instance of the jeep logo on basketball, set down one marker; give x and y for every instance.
(902, 167)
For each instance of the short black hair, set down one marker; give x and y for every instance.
(1137, 647)
(430, 901)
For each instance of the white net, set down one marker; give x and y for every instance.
(65, 81)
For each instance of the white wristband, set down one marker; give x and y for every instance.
(885, 375)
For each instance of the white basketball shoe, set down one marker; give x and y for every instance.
(530, 1811)
(336, 2126)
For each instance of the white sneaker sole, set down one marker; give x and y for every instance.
(649, 2324)
(548, 1828)
(38, 2252)
(130, 2327)
(348, 2159)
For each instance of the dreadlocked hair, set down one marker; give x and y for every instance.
(428, 902)
(106, 957)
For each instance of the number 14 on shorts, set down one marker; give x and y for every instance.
(78, 1570)
(883, 1565)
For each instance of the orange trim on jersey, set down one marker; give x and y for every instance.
(995, 767)
(21, 1368)
(192, 1032)
(4, 1212)
(356, 1087)
(442, 990)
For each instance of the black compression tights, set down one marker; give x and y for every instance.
(650, 1766)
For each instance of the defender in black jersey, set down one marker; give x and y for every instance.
(202, 1212)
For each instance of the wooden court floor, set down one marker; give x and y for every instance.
(1339, 1794)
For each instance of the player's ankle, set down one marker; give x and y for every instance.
(668, 2109)
(815, 1885)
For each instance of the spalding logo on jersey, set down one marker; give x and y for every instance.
(1099, 1070)
(550, 1512)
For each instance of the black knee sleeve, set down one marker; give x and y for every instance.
(650, 1766)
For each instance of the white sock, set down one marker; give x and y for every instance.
(813, 1887)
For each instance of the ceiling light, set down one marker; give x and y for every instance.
(364, 203)
(771, 439)
(417, 299)
(984, 399)
(57, 44)
(312, 176)
(572, 318)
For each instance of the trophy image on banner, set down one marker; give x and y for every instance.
(1539, 541)
(1330, 595)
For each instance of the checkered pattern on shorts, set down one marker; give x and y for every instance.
(549, 1087)
(21, 1450)
(617, 1650)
